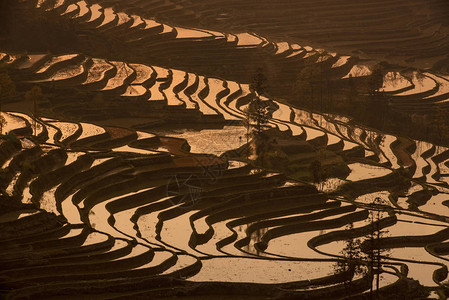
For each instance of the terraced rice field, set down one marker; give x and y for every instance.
(396, 30)
(236, 56)
(151, 213)
(130, 181)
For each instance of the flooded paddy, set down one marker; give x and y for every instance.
(210, 226)
(236, 161)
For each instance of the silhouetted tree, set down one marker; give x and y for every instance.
(259, 82)
(375, 254)
(352, 259)
(35, 95)
(312, 83)
(316, 170)
(376, 80)
(258, 114)
(304, 87)
(440, 124)
(377, 107)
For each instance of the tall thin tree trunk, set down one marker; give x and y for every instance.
(35, 116)
(378, 255)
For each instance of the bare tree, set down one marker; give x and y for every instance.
(376, 80)
(35, 95)
(376, 254)
(258, 114)
(352, 260)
